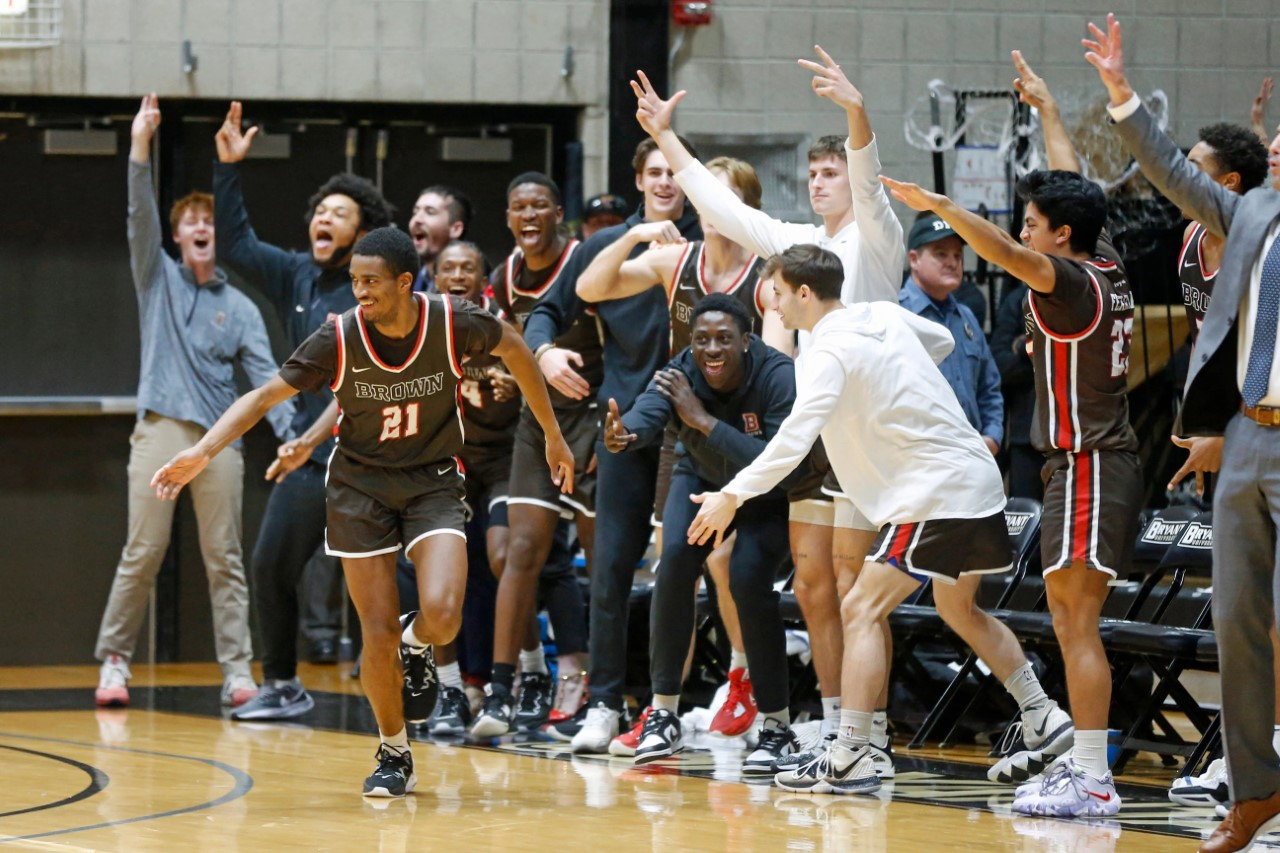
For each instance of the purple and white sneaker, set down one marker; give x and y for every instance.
(1070, 791)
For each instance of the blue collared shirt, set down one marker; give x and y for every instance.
(971, 368)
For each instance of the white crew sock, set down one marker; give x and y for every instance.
(398, 741)
(779, 719)
(1025, 689)
(450, 675)
(533, 660)
(666, 703)
(738, 660)
(1275, 739)
(830, 714)
(411, 639)
(880, 729)
(855, 728)
(1090, 752)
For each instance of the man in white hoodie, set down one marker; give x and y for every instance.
(920, 479)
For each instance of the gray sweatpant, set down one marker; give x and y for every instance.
(217, 494)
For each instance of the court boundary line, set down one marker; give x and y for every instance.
(98, 781)
(243, 785)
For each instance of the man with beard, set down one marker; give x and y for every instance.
(306, 289)
(440, 214)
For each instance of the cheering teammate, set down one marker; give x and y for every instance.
(394, 364)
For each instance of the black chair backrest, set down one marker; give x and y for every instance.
(1194, 549)
(1022, 518)
(1161, 531)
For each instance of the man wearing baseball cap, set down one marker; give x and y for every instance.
(935, 254)
(601, 211)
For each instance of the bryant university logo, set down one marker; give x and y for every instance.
(1016, 522)
(1197, 535)
(1161, 532)
(750, 423)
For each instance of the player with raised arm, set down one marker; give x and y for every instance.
(1079, 316)
(394, 363)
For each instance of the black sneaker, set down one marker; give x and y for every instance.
(660, 737)
(564, 730)
(421, 686)
(452, 715)
(775, 742)
(535, 701)
(394, 776)
(495, 715)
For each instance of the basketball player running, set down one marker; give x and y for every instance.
(539, 265)
(1080, 320)
(859, 225)
(869, 384)
(394, 364)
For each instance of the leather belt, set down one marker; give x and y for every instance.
(1265, 415)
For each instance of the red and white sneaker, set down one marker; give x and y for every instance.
(625, 744)
(739, 709)
(113, 683)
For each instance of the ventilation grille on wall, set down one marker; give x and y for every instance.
(30, 23)
(778, 159)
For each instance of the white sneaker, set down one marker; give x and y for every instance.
(1070, 791)
(113, 682)
(1031, 743)
(600, 727)
(1207, 789)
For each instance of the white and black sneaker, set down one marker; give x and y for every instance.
(882, 758)
(421, 684)
(1031, 743)
(775, 742)
(823, 775)
(534, 703)
(494, 719)
(276, 700)
(394, 776)
(660, 737)
(799, 758)
(1207, 789)
(453, 713)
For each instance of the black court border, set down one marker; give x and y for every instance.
(98, 781)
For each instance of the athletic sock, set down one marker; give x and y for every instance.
(411, 639)
(1090, 752)
(398, 741)
(738, 660)
(830, 715)
(450, 675)
(1025, 689)
(504, 675)
(855, 733)
(666, 703)
(779, 719)
(1275, 739)
(880, 729)
(534, 660)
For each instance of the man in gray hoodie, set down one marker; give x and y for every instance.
(195, 328)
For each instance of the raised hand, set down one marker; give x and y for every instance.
(913, 195)
(616, 437)
(1258, 114)
(147, 119)
(653, 113)
(1205, 456)
(830, 82)
(177, 472)
(1106, 53)
(232, 143)
(1031, 87)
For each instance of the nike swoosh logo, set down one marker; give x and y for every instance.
(444, 470)
(1191, 265)
(360, 369)
(686, 287)
(1106, 798)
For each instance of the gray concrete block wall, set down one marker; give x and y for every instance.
(1207, 55)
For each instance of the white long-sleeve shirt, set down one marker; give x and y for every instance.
(871, 248)
(895, 434)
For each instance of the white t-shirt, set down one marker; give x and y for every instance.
(896, 436)
(871, 247)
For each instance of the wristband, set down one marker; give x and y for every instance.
(541, 351)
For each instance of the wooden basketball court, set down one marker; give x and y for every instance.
(172, 772)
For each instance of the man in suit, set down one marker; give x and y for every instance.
(1233, 390)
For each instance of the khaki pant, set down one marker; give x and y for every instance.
(217, 494)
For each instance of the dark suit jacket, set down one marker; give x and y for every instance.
(1212, 394)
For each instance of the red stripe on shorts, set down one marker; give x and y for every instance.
(1081, 506)
(898, 544)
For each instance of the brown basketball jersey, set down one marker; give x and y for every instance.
(690, 286)
(1197, 281)
(488, 421)
(519, 289)
(1079, 346)
(397, 416)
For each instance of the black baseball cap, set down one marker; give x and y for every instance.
(605, 203)
(929, 229)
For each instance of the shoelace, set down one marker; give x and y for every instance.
(654, 725)
(1062, 776)
(1011, 736)
(772, 740)
(531, 700)
(818, 766)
